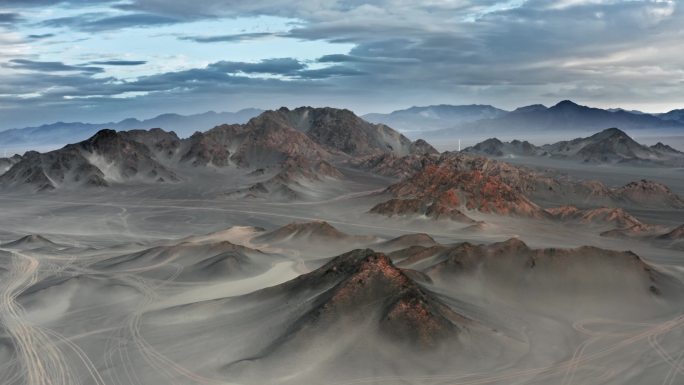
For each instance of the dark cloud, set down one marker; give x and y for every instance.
(9, 18)
(119, 62)
(41, 36)
(465, 51)
(227, 38)
(40, 3)
(328, 72)
(94, 22)
(50, 66)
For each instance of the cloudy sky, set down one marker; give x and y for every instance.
(104, 60)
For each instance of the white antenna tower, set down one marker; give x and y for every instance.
(459, 145)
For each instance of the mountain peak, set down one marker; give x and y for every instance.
(370, 279)
(530, 108)
(612, 132)
(566, 103)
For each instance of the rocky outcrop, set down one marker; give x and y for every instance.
(400, 308)
(107, 157)
(496, 148)
(458, 181)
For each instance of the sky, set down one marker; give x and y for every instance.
(107, 60)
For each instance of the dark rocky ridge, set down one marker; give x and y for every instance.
(104, 158)
(301, 142)
(455, 182)
(461, 181)
(611, 146)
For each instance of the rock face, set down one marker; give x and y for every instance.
(7, 163)
(534, 185)
(648, 193)
(164, 144)
(300, 145)
(44, 172)
(341, 130)
(121, 158)
(312, 133)
(611, 146)
(393, 166)
(415, 207)
(496, 148)
(105, 158)
(459, 181)
(608, 146)
(400, 309)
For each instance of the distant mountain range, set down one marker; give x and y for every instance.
(434, 122)
(611, 146)
(61, 133)
(444, 120)
(435, 117)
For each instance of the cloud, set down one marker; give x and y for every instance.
(119, 62)
(94, 22)
(41, 36)
(404, 52)
(45, 66)
(228, 38)
(9, 18)
(329, 72)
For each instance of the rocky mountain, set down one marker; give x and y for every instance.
(7, 163)
(61, 133)
(313, 133)
(341, 130)
(398, 308)
(290, 147)
(107, 157)
(496, 148)
(417, 207)
(453, 184)
(612, 146)
(458, 182)
(435, 117)
(263, 141)
(646, 193)
(608, 146)
(393, 166)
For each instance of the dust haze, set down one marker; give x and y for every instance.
(238, 257)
